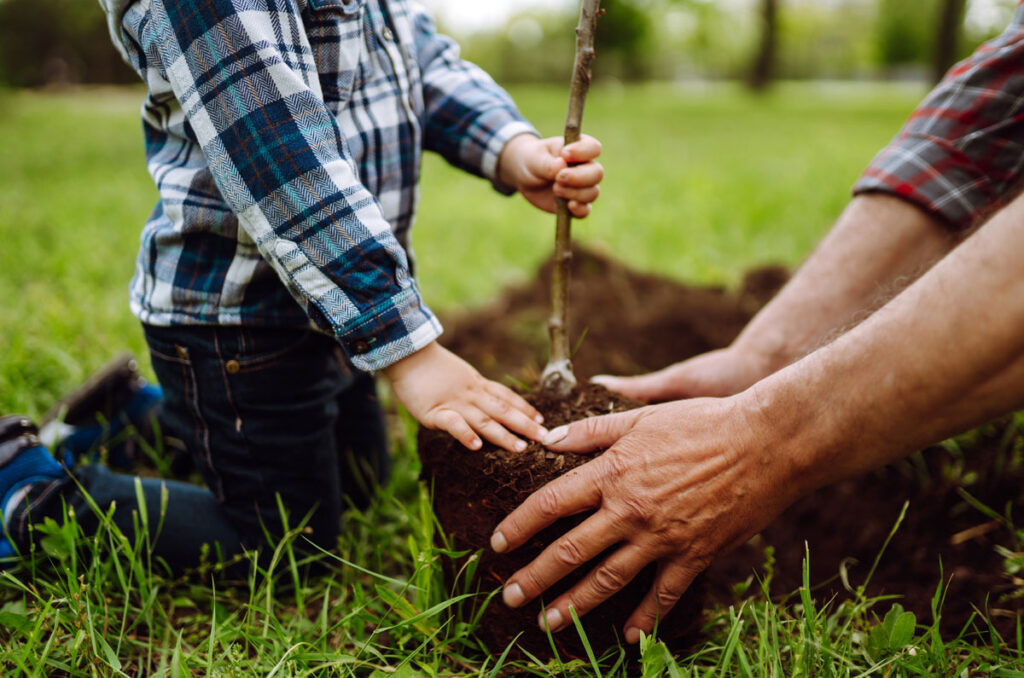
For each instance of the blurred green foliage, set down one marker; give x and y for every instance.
(66, 41)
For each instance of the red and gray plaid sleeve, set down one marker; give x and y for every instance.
(960, 156)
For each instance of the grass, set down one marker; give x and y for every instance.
(702, 183)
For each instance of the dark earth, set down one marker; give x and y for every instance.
(636, 322)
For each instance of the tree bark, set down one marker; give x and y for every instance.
(558, 377)
(762, 71)
(947, 41)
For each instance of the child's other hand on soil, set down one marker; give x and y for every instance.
(543, 169)
(445, 392)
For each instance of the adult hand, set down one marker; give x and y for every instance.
(679, 484)
(718, 373)
(543, 169)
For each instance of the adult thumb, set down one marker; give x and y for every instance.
(653, 387)
(595, 433)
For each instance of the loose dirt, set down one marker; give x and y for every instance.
(635, 323)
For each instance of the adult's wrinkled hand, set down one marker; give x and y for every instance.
(679, 484)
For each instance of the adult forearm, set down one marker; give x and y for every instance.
(944, 355)
(878, 246)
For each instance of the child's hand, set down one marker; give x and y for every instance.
(443, 391)
(542, 169)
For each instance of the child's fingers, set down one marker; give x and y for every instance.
(509, 416)
(544, 165)
(580, 210)
(493, 431)
(580, 195)
(514, 399)
(581, 176)
(455, 424)
(584, 150)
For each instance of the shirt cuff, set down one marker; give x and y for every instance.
(934, 175)
(494, 147)
(379, 340)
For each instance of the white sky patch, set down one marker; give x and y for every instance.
(468, 16)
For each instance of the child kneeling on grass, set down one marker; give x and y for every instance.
(285, 139)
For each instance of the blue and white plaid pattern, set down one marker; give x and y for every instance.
(285, 137)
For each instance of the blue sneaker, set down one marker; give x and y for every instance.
(113, 409)
(23, 461)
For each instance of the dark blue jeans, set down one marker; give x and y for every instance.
(264, 413)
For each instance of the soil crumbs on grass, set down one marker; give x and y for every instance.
(635, 322)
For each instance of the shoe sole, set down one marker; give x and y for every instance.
(107, 391)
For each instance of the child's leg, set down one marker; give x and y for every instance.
(176, 536)
(361, 433)
(257, 410)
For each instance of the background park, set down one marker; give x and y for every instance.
(732, 133)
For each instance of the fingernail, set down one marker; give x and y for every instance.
(603, 379)
(633, 635)
(475, 444)
(551, 620)
(556, 435)
(539, 418)
(520, 446)
(498, 542)
(513, 595)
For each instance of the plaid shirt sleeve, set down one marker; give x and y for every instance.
(244, 74)
(468, 117)
(960, 155)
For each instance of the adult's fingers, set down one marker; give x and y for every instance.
(576, 491)
(601, 583)
(670, 584)
(581, 176)
(653, 387)
(584, 150)
(591, 434)
(580, 545)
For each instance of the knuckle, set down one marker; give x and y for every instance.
(568, 552)
(533, 584)
(608, 579)
(640, 508)
(615, 464)
(548, 503)
(667, 596)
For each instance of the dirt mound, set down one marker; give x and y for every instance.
(622, 321)
(636, 322)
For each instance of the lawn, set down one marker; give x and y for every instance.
(702, 183)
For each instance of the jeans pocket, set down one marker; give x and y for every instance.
(183, 411)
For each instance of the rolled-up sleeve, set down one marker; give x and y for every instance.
(468, 118)
(960, 156)
(244, 75)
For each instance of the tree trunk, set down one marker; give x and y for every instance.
(947, 41)
(763, 70)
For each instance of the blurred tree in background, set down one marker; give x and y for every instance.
(57, 42)
(66, 41)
